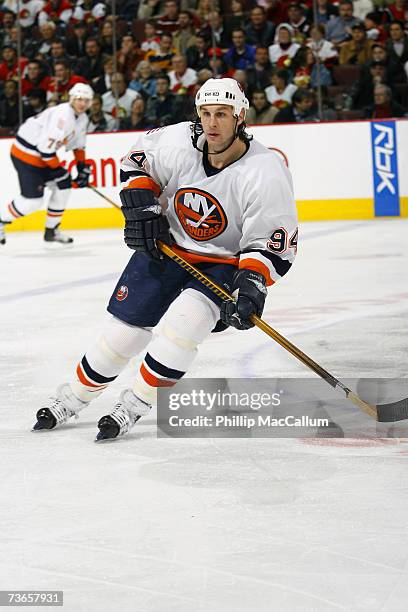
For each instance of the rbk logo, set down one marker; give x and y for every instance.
(200, 214)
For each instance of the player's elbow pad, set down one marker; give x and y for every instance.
(139, 204)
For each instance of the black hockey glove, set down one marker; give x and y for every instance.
(84, 172)
(145, 222)
(249, 289)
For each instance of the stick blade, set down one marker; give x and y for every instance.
(395, 411)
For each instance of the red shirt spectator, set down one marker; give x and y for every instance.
(34, 78)
(56, 11)
(168, 22)
(62, 82)
(9, 66)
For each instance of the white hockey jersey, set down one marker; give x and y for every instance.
(40, 137)
(244, 214)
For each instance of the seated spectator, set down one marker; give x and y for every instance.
(148, 9)
(236, 18)
(137, 118)
(217, 32)
(300, 110)
(144, 82)
(27, 11)
(9, 65)
(58, 11)
(395, 68)
(161, 108)
(160, 60)
(325, 11)
(43, 45)
(62, 81)
(205, 8)
(98, 120)
(281, 91)
(58, 53)
(197, 54)
(128, 56)
(276, 11)
(261, 112)
(117, 101)
(9, 20)
(106, 37)
(361, 8)
(324, 49)
(374, 28)
(181, 77)
(34, 78)
(217, 65)
(307, 72)
(90, 66)
(75, 43)
(259, 31)
(397, 45)
(184, 36)
(396, 10)
(168, 21)
(151, 41)
(9, 105)
(363, 91)
(384, 106)
(103, 83)
(259, 75)
(283, 48)
(338, 30)
(202, 76)
(299, 22)
(35, 104)
(241, 77)
(358, 49)
(240, 55)
(89, 12)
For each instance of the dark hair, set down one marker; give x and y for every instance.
(63, 62)
(259, 8)
(302, 94)
(197, 131)
(342, 2)
(166, 35)
(398, 22)
(238, 30)
(58, 41)
(163, 75)
(283, 74)
(258, 91)
(93, 39)
(37, 93)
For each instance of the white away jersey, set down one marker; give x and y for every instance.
(246, 210)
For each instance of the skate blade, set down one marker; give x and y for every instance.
(38, 427)
(101, 438)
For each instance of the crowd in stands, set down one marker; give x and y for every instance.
(145, 59)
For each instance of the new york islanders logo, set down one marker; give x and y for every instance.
(200, 214)
(122, 293)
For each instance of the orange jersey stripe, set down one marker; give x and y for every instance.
(257, 266)
(53, 162)
(194, 258)
(144, 182)
(31, 160)
(152, 380)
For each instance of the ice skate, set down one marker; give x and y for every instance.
(2, 234)
(55, 236)
(59, 409)
(123, 417)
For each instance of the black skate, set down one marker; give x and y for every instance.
(60, 408)
(54, 235)
(123, 417)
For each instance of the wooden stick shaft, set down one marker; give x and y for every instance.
(102, 195)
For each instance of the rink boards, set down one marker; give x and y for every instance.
(347, 170)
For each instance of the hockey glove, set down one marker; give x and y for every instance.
(145, 222)
(84, 172)
(59, 175)
(249, 289)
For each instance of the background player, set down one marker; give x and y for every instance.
(228, 202)
(34, 156)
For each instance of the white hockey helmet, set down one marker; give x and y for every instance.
(222, 91)
(81, 90)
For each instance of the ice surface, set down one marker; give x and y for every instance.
(172, 525)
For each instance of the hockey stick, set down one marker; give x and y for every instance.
(385, 413)
(102, 195)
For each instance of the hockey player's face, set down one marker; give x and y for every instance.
(218, 124)
(80, 105)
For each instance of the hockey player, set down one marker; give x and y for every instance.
(226, 203)
(34, 156)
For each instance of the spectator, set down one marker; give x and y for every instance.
(259, 31)
(395, 68)
(325, 11)
(103, 83)
(181, 77)
(358, 49)
(148, 9)
(9, 105)
(75, 43)
(338, 30)
(58, 11)
(323, 49)
(27, 11)
(363, 92)
(144, 82)
(397, 45)
(137, 118)
(58, 53)
(106, 38)
(361, 8)
(240, 55)
(197, 54)
(283, 48)
(217, 32)
(236, 19)
(276, 11)
(261, 112)
(205, 8)
(202, 76)
(300, 110)
(299, 22)
(307, 72)
(118, 100)
(151, 41)
(9, 65)
(384, 106)
(128, 56)
(62, 81)
(9, 20)
(396, 10)
(98, 120)
(375, 31)
(168, 21)
(161, 108)
(90, 66)
(89, 12)
(281, 91)
(36, 103)
(34, 78)
(217, 64)
(259, 75)
(43, 44)
(184, 37)
(161, 60)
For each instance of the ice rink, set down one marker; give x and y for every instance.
(206, 525)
